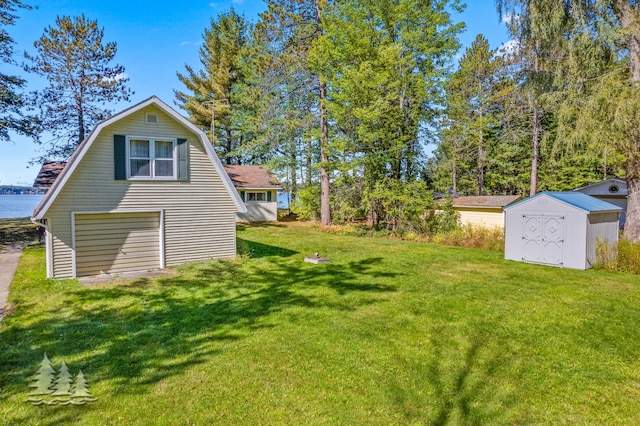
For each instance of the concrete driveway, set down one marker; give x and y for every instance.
(9, 257)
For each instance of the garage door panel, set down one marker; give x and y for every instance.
(117, 242)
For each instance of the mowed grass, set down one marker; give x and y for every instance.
(390, 332)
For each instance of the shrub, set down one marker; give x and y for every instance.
(472, 236)
(623, 257)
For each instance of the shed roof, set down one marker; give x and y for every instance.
(578, 200)
(48, 173)
(251, 177)
(485, 201)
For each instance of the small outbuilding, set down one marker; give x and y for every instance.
(143, 191)
(258, 189)
(559, 229)
(612, 190)
(483, 210)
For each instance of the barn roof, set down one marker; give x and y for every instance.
(578, 200)
(251, 177)
(48, 173)
(485, 201)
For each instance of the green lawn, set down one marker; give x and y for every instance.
(391, 332)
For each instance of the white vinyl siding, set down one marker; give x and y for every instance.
(199, 214)
(117, 242)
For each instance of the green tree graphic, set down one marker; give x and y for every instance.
(62, 386)
(80, 392)
(58, 389)
(42, 382)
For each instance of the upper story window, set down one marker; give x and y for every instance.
(149, 158)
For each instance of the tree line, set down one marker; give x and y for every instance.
(344, 99)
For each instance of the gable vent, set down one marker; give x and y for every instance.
(152, 118)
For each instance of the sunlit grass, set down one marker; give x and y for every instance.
(390, 332)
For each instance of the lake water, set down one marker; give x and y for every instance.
(18, 206)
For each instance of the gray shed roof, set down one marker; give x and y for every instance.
(578, 200)
(484, 201)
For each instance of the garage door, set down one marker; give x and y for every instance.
(116, 242)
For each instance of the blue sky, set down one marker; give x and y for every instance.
(155, 40)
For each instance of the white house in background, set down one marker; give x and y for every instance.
(258, 189)
(143, 191)
(559, 229)
(483, 210)
(612, 191)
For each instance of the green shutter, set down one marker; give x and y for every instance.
(269, 196)
(120, 157)
(183, 159)
(242, 195)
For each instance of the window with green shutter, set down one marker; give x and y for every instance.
(150, 158)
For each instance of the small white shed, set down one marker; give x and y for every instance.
(559, 229)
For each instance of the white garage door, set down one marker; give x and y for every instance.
(116, 242)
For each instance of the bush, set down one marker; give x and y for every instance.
(306, 205)
(623, 257)
(472, 236)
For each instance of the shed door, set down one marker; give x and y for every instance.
(543, 239)
(116, 242)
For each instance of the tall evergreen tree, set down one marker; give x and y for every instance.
(213, 91)
(470, 94)
(76, 62)
(11, 100)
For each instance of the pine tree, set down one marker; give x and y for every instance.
(12, 119)
(76, 62)
(42, 382)
(80, 392)
(62, 384)
(212, 94)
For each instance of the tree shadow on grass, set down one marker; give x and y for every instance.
(461, 373)
(137, 333)
(256, 250)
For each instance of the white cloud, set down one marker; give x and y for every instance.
(507, 18)
(509, 47)
(119, 77)
(214, 5)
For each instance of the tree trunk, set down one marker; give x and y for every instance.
(632, 224)
(628, 16)
(535, 141)
(325, 209)
(481, 158)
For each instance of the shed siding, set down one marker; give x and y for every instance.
(199, 213)
(580, 229)
(481, 217)
(602, 226)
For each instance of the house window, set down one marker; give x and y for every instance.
(150, 158)
(256, 196)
